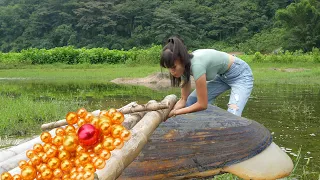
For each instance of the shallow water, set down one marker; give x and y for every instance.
(290, 112)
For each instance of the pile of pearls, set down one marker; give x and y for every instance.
(77, 150)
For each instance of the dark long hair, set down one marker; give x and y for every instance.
(173, 50)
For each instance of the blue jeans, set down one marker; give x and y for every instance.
(238, 78)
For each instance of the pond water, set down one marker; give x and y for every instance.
(290, 112)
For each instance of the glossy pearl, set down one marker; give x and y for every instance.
(88, 117)
(46, 137)
(70, 143)
(60, 132)
(125, 135)
(111, 111)
(117, 118)
(72, 118)
(82, 112)
(28, 173)
(108, 144)
(17, 177)
(66, 165)
(38, 147)
(88, 135)
(6, 176)
(54, 163)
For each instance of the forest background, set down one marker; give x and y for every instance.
(249, 26)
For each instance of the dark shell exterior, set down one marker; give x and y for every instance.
(198, 142)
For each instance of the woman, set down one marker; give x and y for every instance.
(214, 72)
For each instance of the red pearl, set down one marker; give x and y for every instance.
(88, 135)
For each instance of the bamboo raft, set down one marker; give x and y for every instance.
(195, 145)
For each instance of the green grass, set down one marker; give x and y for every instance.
(26, 108)
(263, 72)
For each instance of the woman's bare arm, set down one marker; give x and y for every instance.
(202, 96)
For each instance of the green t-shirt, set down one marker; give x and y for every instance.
(210, 62)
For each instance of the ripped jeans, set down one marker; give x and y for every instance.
(238, 78)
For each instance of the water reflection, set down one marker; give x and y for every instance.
(288, 111)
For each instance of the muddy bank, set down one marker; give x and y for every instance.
(155, 81)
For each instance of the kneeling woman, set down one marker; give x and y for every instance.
(214, 72)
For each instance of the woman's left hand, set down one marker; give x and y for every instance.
(172, 113)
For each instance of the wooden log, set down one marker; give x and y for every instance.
(11, 156)
(130, 109)
(141, 132)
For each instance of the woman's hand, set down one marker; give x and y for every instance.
(172, 113)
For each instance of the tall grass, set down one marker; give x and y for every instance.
(20, 116)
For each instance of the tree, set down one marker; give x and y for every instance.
(302, 22)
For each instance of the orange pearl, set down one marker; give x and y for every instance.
(39, 177)
(70, 142)
(66, 165)
(88, 176)
(77, 162)
(105, 154)
(73, 170)
(47, 174)
(70, 129)
(80, 169)
(57, 173)
(104, 120)
(36, 160)
(45, 158)
(82, 112)
(79, 176)
(117, 118)
(30, 163)
(111, 111)
(38, 148)
(42, 167)
(80, 149)
(95, 122)
(118, 143)
(65, 176)
(105, 128)
(46, 147)
(99, 163)
(84, 158)
(89, 167)
(88, 117)
(63, 154)
(60, 132)
(103, 113)
(73, 175)
(54, 163)
(125, 135)
(30, 153)
(58, 140)
(17, 177)
(51, 152)
(116, 131)
(72, 118)
(6, 176)
(40, 154)
(28, 173)
(81, 122)
(46, 137)
(22, 163)
(98, 148)
(108, 144)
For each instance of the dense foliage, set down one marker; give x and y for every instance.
(132, 57)
(244, 25)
